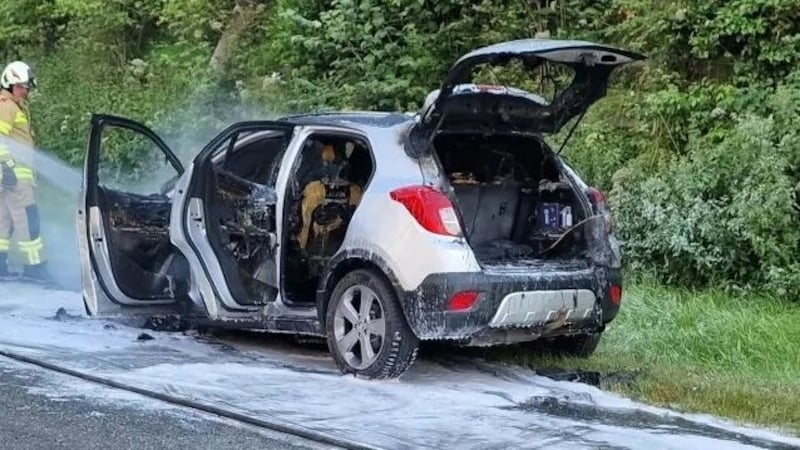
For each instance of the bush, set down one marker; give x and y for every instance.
(724, 212)
(698, 146)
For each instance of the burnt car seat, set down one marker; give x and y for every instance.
(327, 202)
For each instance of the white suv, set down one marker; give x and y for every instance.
(372, 230)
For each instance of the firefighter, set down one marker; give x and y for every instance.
(19, 214)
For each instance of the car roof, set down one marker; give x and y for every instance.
(353, 119)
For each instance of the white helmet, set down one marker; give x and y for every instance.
(17, 73)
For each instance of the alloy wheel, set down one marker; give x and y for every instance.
(359, 326)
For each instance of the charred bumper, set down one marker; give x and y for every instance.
(512, 306)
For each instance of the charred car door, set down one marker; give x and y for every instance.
(127, 260)
(228, 226)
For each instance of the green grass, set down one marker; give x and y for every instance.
(733, 356)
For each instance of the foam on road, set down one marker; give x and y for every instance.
(435, 405)
(34, 418)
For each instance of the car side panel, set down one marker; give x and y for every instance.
(385, 228)
(427, 268)
(201, 291)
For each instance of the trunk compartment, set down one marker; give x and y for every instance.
(515, 205)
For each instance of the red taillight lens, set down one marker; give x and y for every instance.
(597, 197)
(431, 208)
(615, 294)
(598, 200)
(462, 301)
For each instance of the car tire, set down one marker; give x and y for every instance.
(579, 345)
(371, 340)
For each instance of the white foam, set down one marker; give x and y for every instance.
(433, 406)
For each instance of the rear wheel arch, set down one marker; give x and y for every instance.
(340, 267)
(381, 321)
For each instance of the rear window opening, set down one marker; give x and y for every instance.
(539, 77)
(515, 205)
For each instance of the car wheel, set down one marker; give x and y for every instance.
(367, 333)
(580, 345)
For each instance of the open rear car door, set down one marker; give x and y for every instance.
(227, 221)
(127, 260)
(545, 83)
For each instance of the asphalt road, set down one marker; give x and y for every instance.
(32, 419)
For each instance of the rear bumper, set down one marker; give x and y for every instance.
(513, 306)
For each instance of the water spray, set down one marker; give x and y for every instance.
(58, 185)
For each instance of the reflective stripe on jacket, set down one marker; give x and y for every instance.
(15, 125)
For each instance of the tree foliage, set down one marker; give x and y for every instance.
(698, 147)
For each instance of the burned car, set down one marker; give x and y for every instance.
(375, 230)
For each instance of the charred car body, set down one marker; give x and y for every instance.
(374, 230)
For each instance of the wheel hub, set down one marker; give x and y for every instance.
(359, 327)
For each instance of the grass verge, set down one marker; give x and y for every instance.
(734, 356)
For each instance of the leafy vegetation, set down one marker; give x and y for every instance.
(700, 351)
(697, 147)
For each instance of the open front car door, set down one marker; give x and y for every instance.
(127, 260)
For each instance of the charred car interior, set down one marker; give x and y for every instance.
(240, 199)
(146, 265)
(237, 198)
(132, 219)
(516, 207)
(516, 202)
(332, 172)
(240, 202)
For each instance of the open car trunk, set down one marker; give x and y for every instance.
(515, 201)
(515, 205)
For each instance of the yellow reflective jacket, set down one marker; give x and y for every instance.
(15, 125)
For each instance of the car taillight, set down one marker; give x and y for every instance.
(615, 294)
(431, 209)
(597, 198)
(598, 201)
